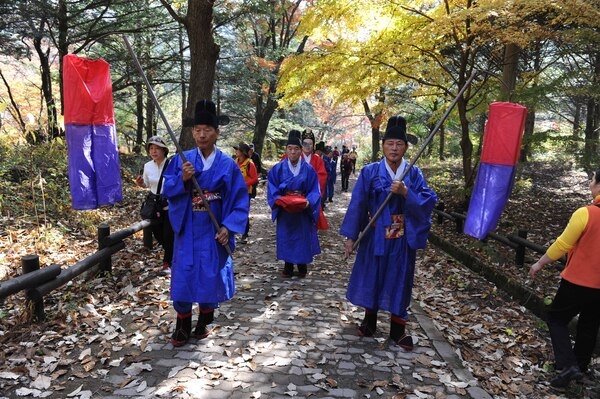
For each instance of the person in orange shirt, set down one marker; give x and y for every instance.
(578, 292)
(242, 158)
(309, 156)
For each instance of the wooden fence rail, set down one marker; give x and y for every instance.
(518, 241)
(39, 282)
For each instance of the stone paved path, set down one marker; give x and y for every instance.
(281, 338)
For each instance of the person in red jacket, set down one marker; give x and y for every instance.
(578, 292)
(309, 156)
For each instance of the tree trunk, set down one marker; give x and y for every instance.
(139, 107)
(16, 113)
(203, 59)
(529, 125)
(591, 132)
(375, 120)
(63, 47)
(263, 114)
(592, 124)
(577, 119)
(442, 148)
(509, 71)
(150, 117)
(465, 144)
(182, 71)
(53, 129)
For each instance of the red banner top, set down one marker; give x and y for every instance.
(87, 90)
(503, 133)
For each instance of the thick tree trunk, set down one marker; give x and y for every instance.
(203, 56)
(263, 114)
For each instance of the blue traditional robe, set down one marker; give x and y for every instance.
(202, 270)
(383, 272)
(297, 239)
(330, 165)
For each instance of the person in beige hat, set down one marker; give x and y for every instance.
(151, 178)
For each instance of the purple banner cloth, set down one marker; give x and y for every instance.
(493, 186)
(94, 168)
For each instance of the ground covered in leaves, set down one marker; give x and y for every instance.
(503, 344)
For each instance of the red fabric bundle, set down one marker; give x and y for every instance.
(292, 203)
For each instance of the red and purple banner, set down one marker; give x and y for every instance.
(94, 169)
(495, 178)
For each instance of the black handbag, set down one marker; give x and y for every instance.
(153, 204)
(151, 207)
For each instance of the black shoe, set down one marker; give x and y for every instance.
(288, 270)
(302, 270)
(564, 377)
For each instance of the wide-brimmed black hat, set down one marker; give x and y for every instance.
(206, 114)
(396, 129)
(294, 138)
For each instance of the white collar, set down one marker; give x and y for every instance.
(399, 171)
(294, 169)
(208, 161)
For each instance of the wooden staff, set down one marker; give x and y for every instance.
(172, 135)
(414, 159)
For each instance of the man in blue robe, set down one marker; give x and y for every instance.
(294, 196)
(202, 269)
(330, 165)
(383, 272)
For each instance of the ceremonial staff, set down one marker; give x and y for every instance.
(173, 138)
(414, 159)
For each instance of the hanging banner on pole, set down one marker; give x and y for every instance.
(495, 178)
(94, 168)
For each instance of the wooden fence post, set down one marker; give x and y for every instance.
(31, 263)
(104, 231)
(520, 251)
(459, 225)
(147, 237)
(440, 206)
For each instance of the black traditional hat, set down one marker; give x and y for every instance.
(206, 114)
(294, 138)
(396, 129)
(320, 146)
(308, 134)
